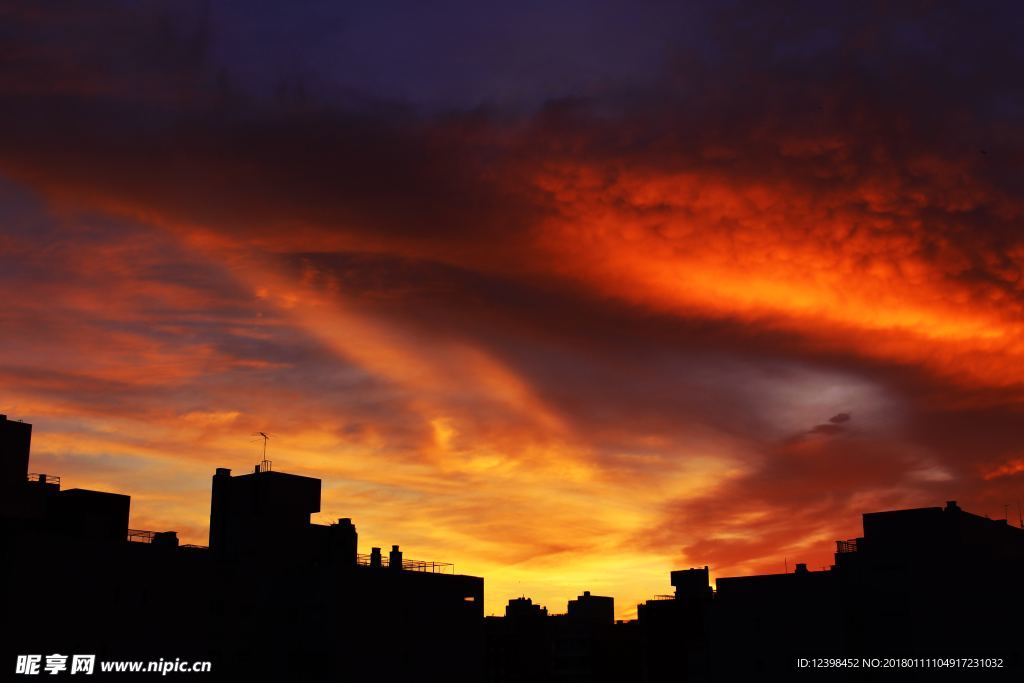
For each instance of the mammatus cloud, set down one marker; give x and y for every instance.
(707, 316)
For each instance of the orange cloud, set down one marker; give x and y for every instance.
(1009, 469)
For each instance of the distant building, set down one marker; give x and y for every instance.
(584, 644)
(274, 597)
(15, 442)
(523, 609)
(673, 629)
(592, 609)
(926, 582)
(38, 503)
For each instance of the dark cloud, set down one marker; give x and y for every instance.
(834, 426)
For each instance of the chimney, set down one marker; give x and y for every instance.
(951, 505)
(347, 539)
(801, 568)
(220, 505)
(395, 558)
(375, 558)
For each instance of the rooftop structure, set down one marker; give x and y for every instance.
(273, 597)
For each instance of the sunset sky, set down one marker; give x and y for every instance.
(570, 294)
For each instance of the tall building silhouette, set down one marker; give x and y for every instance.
(15, 442)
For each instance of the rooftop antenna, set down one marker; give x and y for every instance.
(265, 465)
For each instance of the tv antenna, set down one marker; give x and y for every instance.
(265, 465)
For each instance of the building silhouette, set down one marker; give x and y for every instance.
(275, 597)
(927, 583)
(674, 629)
(583, 644)
(933, 582)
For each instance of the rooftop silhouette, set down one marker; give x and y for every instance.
(273, 596)
(276, 597)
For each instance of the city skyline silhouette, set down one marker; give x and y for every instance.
(274, 595)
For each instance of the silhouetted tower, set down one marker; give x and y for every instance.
(524, 608)
(220, 506)
(592, 609)
(395, 558)
(15, 442)
(346, 540)
(262, 511)
(692, 584)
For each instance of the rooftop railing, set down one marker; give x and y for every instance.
(144, 536)
(140, 536)
(410, 565)
(44, 478)
(850, 546)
